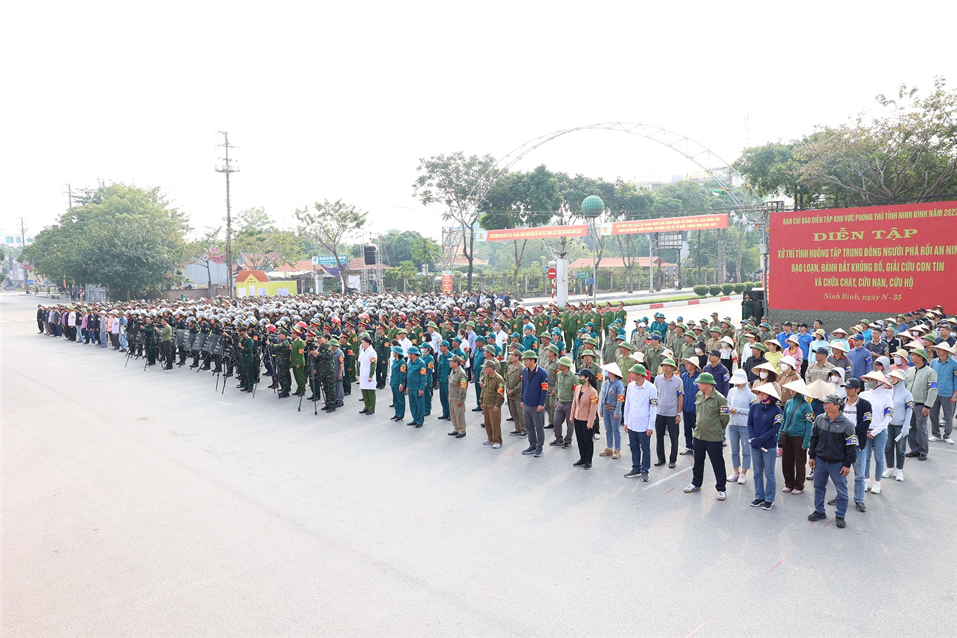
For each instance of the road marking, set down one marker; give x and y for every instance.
(668, 478)
(696, 630)
(783, 560)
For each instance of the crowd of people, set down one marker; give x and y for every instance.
(822, 402)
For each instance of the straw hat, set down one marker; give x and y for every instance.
(613, 368)
(692, 361)
(767, 365)
(876, 375)
(768, 388)
(900, 374)
(819, 390)
(837, 345)
(797, 386)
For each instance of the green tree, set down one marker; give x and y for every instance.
(456, 182)
(264, 246)
(126, 238)
(521, 200)
(329, 224)
(409, 245)
(907, 151)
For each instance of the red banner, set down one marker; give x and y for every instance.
(544, 232)
(446, 282)
(666, 225)
(875, 259)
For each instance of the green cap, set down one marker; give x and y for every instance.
(588, 353)
(669, 362)
(565, 361)
(530, 354)
(491, 363)
(705, 377)
(553, 348)
(638, 369)
(921, 352)
(757, 345)
(625, 345)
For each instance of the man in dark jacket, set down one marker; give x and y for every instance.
(832, 452)
(722, 377)
(858, 411)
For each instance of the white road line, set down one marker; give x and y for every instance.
(668, 478)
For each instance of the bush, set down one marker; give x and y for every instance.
(701, 291)
(748, 285)
(727, 289)
(715, 290)
(739, 288)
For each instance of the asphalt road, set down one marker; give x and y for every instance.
(143, 503)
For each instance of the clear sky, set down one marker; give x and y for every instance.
(338, 100)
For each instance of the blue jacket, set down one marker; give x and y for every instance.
(764, 422)
(946, 376)
(722, 378)
(860, 361)
(534, 387)
(691, 390)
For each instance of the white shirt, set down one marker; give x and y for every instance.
(882, 408)
(501, 338)
(641, 407)
(367, 368)
(406, 344)
(740, 399)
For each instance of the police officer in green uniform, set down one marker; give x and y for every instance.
(326, 371)
(247, 348)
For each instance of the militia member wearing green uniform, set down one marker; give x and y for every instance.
(166, 339)
(397, 382)
(442, 372)
(281, 352)
(325, 363)
(456, 388)
(415, 388)
(149, 342)
(429, 361)
(513, 392)
(247, 352)
(493, 396)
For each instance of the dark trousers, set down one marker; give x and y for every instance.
(662, 422)
(381, 370)
(689, 419)
(715, 451)
(444, 398)
(586, 442)
(794, 462)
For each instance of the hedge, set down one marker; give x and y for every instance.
(739, 287)
(715, 290)
(701, 291)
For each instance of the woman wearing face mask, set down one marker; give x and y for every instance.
(740, 398)
(882, 411)
(901, 360)
(764, 373)
(882, 365)
(837, 380)
(798, 421)
(899, 426)
(789, 372)
(764, 423)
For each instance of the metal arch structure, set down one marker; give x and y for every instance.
(700, 155)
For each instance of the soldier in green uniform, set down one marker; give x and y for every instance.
(456, 388)
(281, 352)
(297, 358)
(381, 345)
(247, 352)
(149, 341)
(350, 346)
(325, 371)
(166, 339)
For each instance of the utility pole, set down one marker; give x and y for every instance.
(69, 193)
(23, 245)
(228, 169)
